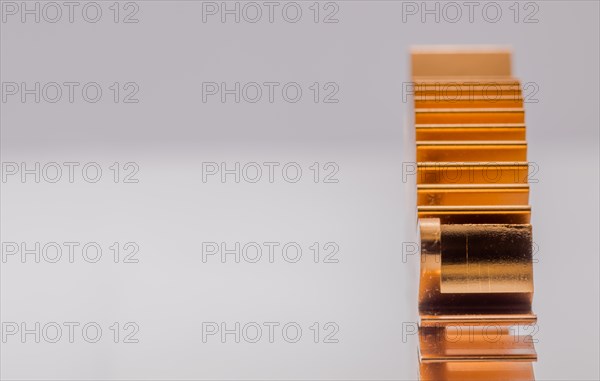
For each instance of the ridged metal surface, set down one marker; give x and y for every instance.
(476, 276)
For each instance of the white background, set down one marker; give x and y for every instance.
(169, 53)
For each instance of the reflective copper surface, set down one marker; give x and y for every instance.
(476, 275)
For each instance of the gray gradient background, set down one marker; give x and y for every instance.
(169, 53)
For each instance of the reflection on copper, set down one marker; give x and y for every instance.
(472, 194)
(465, 151)
(477, 371)
(476, 276)
(471, 115)
(474, 343)
(467, 132)
(472, 173)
